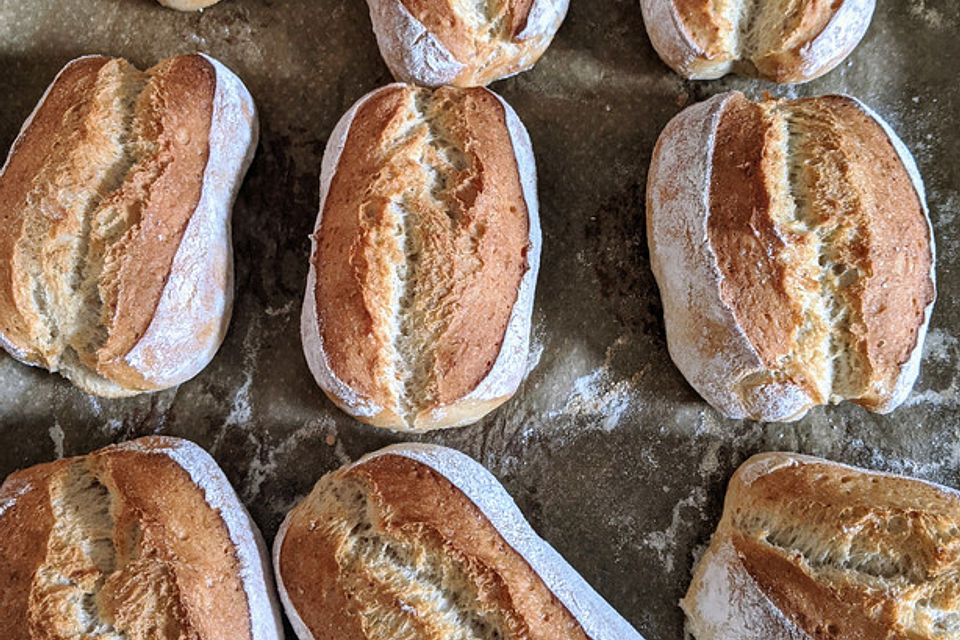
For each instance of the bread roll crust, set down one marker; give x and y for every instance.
(146, 540)
(794, 255)
(426, 250)
(133, 176)
(784, 41)
(809, 548)
(446, 42)
(455, 532)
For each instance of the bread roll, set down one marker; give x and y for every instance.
(464, 44)
(420, 541)
(140, 541)
(188, 5)
(779, 40)
(425, 256)
(116, 265)
(809, 548)
(794, 254)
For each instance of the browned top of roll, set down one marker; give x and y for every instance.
(426, 313)
(126, 535)
(94, 203)
(771, 37)
(864, 554)
(455, 29)
(847, 205)
(365, 552)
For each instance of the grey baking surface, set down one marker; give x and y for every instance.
(609, 453)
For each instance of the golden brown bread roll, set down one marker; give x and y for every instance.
(809, 548)
(464, 44)
(780, 40)
(425, 256)
(116, 264)
(795, 258)
(420, 541)
(140, 541)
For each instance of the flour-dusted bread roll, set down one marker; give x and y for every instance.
(188, 5)
(420, 541)
(140, 541)
(116, 264)
(794, 255)
(425, 257)
(464, 44)
(780, 40)
(811, 549)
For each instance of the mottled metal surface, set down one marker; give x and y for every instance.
(609, 453)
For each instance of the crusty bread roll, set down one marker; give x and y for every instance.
(809, 548)
(420, 541)
(116, 264)
(464, 44)
(794, 255)
(188, 5)
(141, 541)
(425, 256)
(780, 40)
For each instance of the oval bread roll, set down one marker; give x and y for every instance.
(116, 264)
(811, 549)
(780, 40)
(464, 44)
(144, 540)
(425, 256)
(420, 541)
(794, 255)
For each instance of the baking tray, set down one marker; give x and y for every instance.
(609, 453)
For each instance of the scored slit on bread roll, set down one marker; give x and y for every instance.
(420, 541)
(780, 40)
(116, 264)
(809, 548)
(425, 256)
(795, 258)
(463, 43)
(144, 540)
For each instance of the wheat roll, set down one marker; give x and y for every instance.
(425, 256)
(463, 44)
(783, 41)
(809, 548)
(795, 258)
(144, 540)
(116, 263)
(420, 541)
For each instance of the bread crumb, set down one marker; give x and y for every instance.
(330, 439)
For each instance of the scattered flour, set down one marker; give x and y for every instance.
(56, 435)
(597, 394)
(940, 345)
(945, 398)
(933, 18)
(665, 542)
(267, 460)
